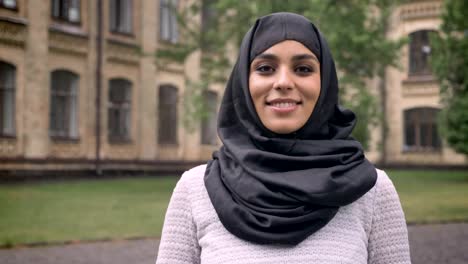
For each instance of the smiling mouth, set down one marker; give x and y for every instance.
(283, 106)
(283, 103)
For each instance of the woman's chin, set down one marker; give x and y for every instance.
(283, 128)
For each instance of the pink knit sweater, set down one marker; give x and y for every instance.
(370, 230)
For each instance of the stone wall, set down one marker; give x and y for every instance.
(36, 44)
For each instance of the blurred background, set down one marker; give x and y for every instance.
(97, 88)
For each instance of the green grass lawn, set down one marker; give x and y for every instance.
(135, 207)
(83, 210)
(432, 196)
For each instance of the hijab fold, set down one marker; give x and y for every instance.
(269, 188)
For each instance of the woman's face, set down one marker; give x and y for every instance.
(284, 84)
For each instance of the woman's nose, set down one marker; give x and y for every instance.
(284, 80)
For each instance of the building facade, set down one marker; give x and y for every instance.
(410, 97)
(81, 89)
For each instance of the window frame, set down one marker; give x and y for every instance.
(62, 17)
(115, 13)
(123, 110)
(418, 59)
(2, 5)
(8, 91)
(167, 13)
(63, 118)
(416, 121)
(168, 115)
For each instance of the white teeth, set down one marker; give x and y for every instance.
(283, 105)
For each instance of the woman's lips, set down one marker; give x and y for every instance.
(283, 106)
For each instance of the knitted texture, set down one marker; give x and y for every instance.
(370, 230)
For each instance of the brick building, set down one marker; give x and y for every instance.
(80, 89)
(410, 97)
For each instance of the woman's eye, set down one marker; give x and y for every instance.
(265, 69)
(304, 69)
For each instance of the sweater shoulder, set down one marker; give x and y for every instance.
(382, 176)
(384, 183)
(193, 182)
(194, 175)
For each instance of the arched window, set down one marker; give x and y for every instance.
(7, 99)
(419, 52)
(208, 126)
(121, 16)
(63, 104)
(167, 115)
(119, 110)
(421, 129)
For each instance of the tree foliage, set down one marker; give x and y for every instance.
(355, 31)
(450, 63)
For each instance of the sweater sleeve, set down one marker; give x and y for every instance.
(388, 239)
(179, 243)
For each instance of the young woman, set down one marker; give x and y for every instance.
(289, 184)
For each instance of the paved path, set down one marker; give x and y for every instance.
(114, 252)
(444, 244)
(430, 244)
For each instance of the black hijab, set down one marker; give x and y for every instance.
(279, 189)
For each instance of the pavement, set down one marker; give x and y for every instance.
(444, 244)
(430, 244)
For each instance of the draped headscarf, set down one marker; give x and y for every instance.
(269, 188)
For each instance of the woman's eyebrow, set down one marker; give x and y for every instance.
(267, 56)
(270, 56)
(304, 57)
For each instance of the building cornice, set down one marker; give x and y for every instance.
(418, 10)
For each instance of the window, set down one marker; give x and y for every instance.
(7, 99)
(167, 115)
(208, 22)
(168, 20)
(66, 10)
(63, 104)
(419, 52)
(119, 110)
(209, 135)
(121, 16)
(421, 129)
(10, 4)
(208, 14)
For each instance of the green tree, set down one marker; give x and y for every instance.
(450, 63)
(355, 31)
